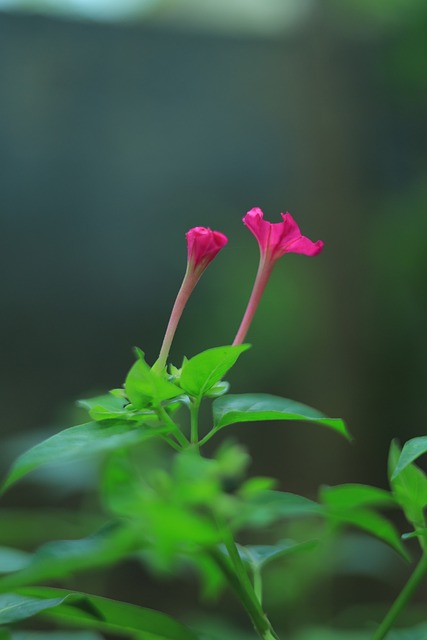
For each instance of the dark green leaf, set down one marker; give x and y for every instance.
(14, 607)
(110, 615)
(348, 496)
(409, 487)
(75, 443)
(412, 450)
(205, 369)
(55, 635)
(144, 386)
(250, 407)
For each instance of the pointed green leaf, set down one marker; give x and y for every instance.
(412, 450)
(409, 487)
(65, 557)
(111, 616)
(144, 386)
(14, 607)
(250, 407)
(267, 507)
(76, 443)
(349, 496)
(257, 556)
(203, 371)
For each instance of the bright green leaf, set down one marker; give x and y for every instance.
(112, 616)
(203, 371)
(250, 407)
(409, 487)
(412, 450)
(14, 607)
(144, 386)
(75, 443)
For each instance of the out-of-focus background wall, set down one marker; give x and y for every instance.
(125, 123)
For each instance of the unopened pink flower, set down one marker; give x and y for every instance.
(274, 239)
(203, 244)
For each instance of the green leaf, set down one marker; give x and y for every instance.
(13, 559)
(257, 556)
(203, 371)
(106, 407)
(14, 607)
(409, 487)
(111, 616)
(349, 496)
(250, 407)
(144, 386)
(63, 558)
(75, 443)
(55, 635)
(412, 450)
(267, 507)
(373, 523)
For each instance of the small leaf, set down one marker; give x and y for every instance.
(409, 487)
(412, 450)
(144, 386)
(203, 371)
(14, 607)
(77, 443)
(112, 616)
(350, 496)
(250, 407)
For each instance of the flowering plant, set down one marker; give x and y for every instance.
(169, 505)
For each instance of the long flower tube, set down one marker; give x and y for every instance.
(202, 247)
(274, 240)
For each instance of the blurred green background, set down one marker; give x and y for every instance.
(125, 123)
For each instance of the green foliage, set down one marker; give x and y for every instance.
(250, 407)
(145, 387)
(409, 486)
(80, 609)
(206, 369)
(412, 449)
(14, 607)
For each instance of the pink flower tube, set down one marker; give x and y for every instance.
(274, 240)
(202, 245)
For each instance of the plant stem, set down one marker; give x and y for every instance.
(263, 274)
(239, 580)
(194, 413)
(402, 599)
(175, 430)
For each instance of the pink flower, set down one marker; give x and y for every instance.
(203, 245)
(276, 239)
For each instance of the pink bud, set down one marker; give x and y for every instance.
(203, 245)
(281, 237)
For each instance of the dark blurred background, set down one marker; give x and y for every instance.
(123, 124)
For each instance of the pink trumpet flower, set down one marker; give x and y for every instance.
(274, 241)
(203, 244)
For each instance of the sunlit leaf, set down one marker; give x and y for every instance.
(412, 450)
(144, 386)
(250, 407)
(203, 371)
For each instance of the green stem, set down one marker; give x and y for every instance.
(175, 430)
(242, 585)
(207, 437)
(258, 584)
(402, 599)
(194, 412)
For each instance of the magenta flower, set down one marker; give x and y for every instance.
(202, 245)
(274, 239)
